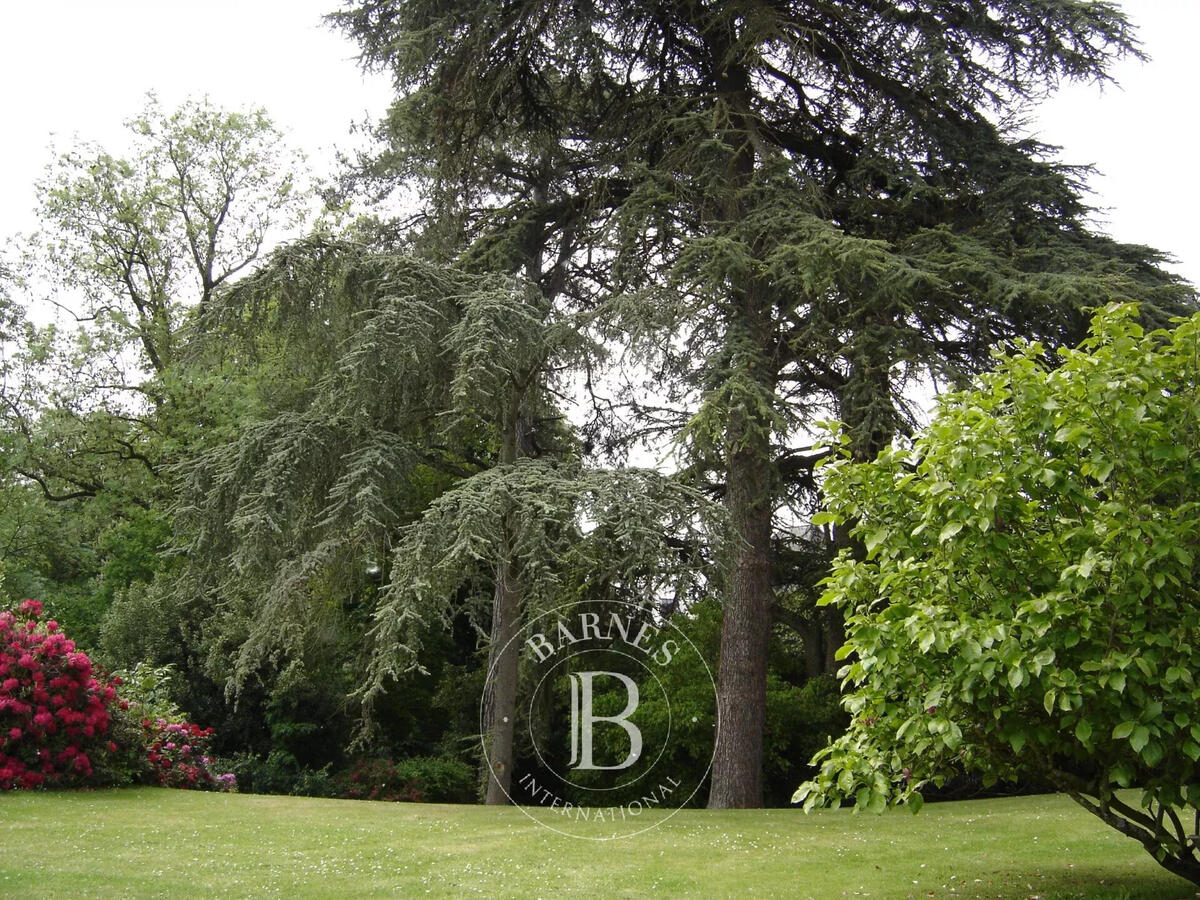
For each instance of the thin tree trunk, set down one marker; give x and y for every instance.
(505, 655)
(505, 650)
(833, 635)
(503, 684)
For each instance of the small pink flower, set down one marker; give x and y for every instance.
(15, 734)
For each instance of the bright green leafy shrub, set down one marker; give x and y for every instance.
(1028, 604)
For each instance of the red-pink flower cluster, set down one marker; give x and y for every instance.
(179, 756)
(53, 710)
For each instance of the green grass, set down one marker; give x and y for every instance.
(145, 842)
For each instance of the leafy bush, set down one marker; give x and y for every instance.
(377, 779)
(440, 779)
(154, 741)
(277, 773)
(54, 713)
(421, 779)
(142, 622)
(801, 720)
(150, 692)
(178, 753)
(146, 694)
(126, 762)
(1027, 603)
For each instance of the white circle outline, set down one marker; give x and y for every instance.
(582, 837)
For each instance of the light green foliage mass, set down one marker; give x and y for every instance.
(96, 408)
(1027, 604)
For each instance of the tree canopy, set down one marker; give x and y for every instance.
(95, 407)
(787, 208)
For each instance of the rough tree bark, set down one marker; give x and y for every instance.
(751, 473)
(505, 652)
(745, 636)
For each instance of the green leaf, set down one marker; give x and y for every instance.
(878, 802)
(950, 531)
(874, 538)
(952, 737)
(1139, 738)
(1152, 754)
(1123, 730)
(1083, 731)
(862, 797)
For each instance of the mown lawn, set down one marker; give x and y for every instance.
(144, 842)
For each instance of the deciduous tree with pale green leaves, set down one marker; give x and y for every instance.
(1027, 606)
(129, 246)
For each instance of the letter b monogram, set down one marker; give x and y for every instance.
(582, 719)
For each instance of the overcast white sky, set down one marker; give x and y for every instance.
(83, 66)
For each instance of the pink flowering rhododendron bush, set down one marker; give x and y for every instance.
(61, 725)
(54, 712)
(178, 754)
